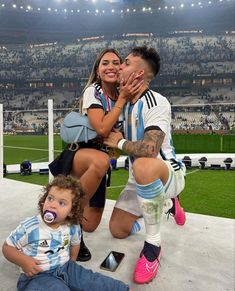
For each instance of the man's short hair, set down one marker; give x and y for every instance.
(150, 55)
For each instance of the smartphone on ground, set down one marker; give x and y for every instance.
(112, 261)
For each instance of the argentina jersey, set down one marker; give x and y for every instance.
(151, 111)
(95, 97)
(51, 247)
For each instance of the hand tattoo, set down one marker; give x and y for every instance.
(148, 147)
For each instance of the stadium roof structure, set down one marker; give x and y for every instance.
(37, 21)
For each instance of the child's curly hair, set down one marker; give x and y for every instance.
(69, 183)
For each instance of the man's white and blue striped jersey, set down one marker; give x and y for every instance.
(50, 246)
(150, 111)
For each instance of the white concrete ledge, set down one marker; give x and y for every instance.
(198, 256)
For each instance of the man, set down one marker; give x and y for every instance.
(155, 175)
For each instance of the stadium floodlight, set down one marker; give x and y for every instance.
(228, 162)
(14, 5)
(192, 5)
(128, 10)
(159, 8)
(182, 5)
(165, 7)
(202, 161)
(187, 161)
(3, 5)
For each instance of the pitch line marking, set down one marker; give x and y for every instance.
(192, 172)
(118, 186)
(33, 149)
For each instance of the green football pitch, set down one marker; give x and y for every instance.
(209, 192)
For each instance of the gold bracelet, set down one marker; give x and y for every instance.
(118, 107)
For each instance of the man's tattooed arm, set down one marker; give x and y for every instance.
(148, 147)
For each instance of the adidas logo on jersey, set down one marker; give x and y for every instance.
(44, 244)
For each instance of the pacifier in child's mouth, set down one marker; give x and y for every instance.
(49, 216)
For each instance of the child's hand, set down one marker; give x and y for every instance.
(30, 266)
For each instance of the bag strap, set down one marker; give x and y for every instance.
(78, 134)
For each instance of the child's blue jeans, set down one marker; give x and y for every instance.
(70, 276)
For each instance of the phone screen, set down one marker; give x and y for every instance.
(112, 261)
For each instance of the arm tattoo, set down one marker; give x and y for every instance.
(148, 147)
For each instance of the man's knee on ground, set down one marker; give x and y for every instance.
(117, 230)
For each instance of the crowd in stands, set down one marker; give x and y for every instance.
(181, 56)
(24, 99)
(190, 55)
(199, 119)
(184, 117)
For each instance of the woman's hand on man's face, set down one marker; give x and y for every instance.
(131, 86)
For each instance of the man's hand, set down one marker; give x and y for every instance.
(148, 147)
(113, 138)
(30, 266)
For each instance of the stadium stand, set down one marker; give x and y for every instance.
(53, 58)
